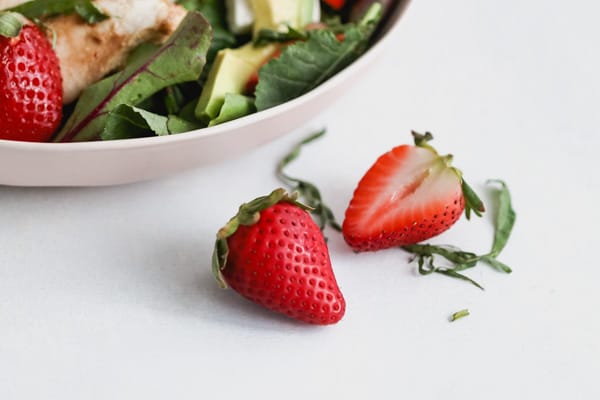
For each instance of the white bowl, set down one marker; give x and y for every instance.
(124, 161)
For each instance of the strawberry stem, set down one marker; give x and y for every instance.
(472, 201)
(422, 140)
(308, 191)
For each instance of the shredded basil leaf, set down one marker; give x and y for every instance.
(505, 219)
(309, 192)
(459, 314)
(461, 260)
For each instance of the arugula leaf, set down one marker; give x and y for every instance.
(214, 12)
(304, 65)
(126, 122)
(36, 9)
(180, 59)
(235, 106)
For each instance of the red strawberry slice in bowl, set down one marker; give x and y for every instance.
(410, 194)
(273, 254)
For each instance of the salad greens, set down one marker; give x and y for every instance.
(149, 70)
(214, 12)
(158, 90)
(234, 106)
(48, 8)
(306, 64)
(127, 122)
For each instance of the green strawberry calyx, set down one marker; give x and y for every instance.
(11, 24)
(248, 214)
(472, 201)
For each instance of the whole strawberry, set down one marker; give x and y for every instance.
(30, 83)
(273, 254)
(409, 195)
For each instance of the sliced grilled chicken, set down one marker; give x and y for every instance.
(87, 52)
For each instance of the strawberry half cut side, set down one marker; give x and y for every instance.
(273, 254)
(410, 194)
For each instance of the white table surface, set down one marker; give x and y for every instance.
(106, 293)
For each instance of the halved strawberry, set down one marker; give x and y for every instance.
(409, 195)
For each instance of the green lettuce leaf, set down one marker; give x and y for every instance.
(234, 107)
(47, 8)
(180, 59)
(126, 122)
(214, 12)
(306, 64)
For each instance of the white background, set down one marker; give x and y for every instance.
(106, 293)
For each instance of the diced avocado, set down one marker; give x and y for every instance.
(230, 72)
(278, 14)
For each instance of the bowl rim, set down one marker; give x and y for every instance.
(101, 145)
